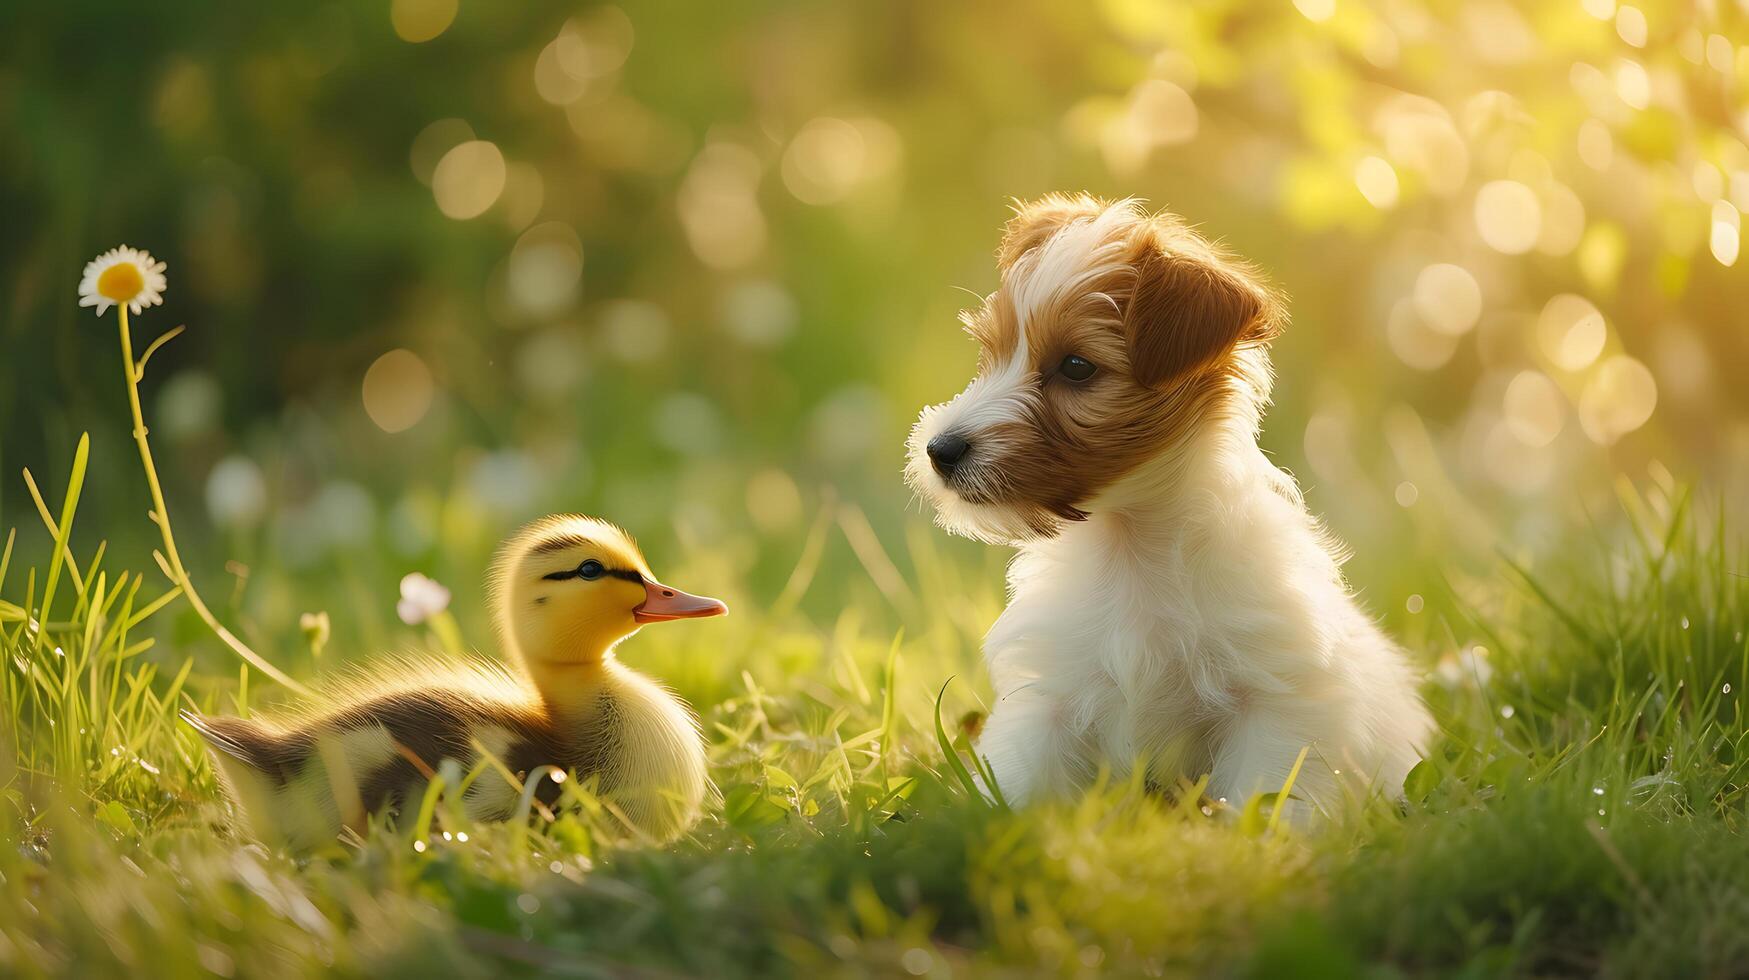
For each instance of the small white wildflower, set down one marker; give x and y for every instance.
(421, 599)
(1467, 668)
(122, 276)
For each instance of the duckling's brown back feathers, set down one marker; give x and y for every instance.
(394, 742)
(248, 743)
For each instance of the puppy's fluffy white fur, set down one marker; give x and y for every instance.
(1192, 617)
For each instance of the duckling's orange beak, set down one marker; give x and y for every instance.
(662, 604)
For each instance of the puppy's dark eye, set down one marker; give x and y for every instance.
(1076, 368)
(590, 570)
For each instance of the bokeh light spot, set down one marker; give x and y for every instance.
(1447, 298)
(1563, 220)
(1632, 84)
(1726, 234)
(1571, 332)
(468, 179)
(1377, 181)
(236, 493)
(433, 142)
(417, 21)
(1414, 343)
(545, 269)
(1630, 26)
(719, 206)
(1596, 146)
(1534, 408)
(1508, 216)
(1618, 399)
(824, 161)
(398, 390)
(1419, 134)
(634, 330)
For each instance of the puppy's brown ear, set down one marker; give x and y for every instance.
(1036, 221)
(1191, 308)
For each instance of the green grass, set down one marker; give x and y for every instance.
(1584, 813)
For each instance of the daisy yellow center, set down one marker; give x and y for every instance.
(121, 282)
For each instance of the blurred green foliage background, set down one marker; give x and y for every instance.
(695, 267)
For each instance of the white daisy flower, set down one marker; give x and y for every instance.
(421, 599)
(125, 276)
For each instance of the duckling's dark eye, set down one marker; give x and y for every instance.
(590, 570)
(1076, 368)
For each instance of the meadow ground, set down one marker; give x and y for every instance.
(1583, 814)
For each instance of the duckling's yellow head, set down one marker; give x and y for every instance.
(566, 588)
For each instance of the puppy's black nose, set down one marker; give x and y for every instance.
(946, 451)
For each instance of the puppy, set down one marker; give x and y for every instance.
(1173, 604)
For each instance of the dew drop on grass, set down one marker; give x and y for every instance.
(1597, 791)
(1685, 622)
(462, 836)
(1507, 711)
(1600, 811)
(1727, 687)
(419, 846)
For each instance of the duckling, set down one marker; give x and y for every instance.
(565, 591)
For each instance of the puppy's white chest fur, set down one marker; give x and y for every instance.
(1196, 623)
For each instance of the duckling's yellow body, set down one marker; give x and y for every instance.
(566, 589)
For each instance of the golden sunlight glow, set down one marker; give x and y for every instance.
(1571, 332)
(1563, 216)
(824, 161)
(1448, 298)
(1632, 84)
(1508, 216)
(1596, 145)
(1316, 11)
(719, 206)
(1618, 399)
(398, 390)
(545, 269)
(1414, 343)
(1726, 232)
(417, 21)
(1630, 26)
(1419, 134)
(1377, 181)
(1158, 113)
(468, 180)
(583, 59)
(1534, 408)
(436, 139)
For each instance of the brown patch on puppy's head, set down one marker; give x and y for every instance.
(1112, 335)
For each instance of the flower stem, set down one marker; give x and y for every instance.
(161, 516)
